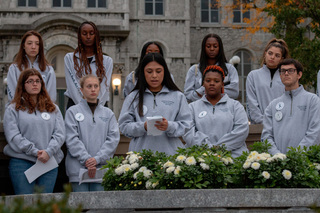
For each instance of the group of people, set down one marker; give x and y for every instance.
(206, 113)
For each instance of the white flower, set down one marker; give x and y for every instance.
(286, 174)
(135, 175)
(266, 175)
(191, 161)
(269, 160)
(317, 166)
(142, 169)
(255, 165)
(134, 166)
(204, 154)
(119, 170)
(154, 185)
(177, 170)
(148, 184)
(129, 153)
(125, 161)
(280, 156)
(201, 160)
(133, 158)
(225, 161)
(181, 158)
(168, 164)
(126, 167)
(266, 155)
(229, 160)
(170, 169)
(204, 166)
(246, 164)
(147, 173)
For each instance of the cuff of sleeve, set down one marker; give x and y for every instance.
(170, 128)
(98, 159)
(49, 152)
(200, 90)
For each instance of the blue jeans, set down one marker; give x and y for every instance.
(17, 167)
(86, 187)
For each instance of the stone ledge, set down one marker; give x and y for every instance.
(190, 200)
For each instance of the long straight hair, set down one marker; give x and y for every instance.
(21, 59)
(221, 58)
(23, 100)
(84, 67)
(142, 84)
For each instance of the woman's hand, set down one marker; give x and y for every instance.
(162, 125)
(43, 156)
(92, 172)
(91, 162)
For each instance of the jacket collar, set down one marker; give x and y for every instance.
(295, 92)
(223, 99)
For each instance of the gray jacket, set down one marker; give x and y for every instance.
(73, 81)
(172, 105)
(194, 78)
(292, 120)
(225, 123)
(48, 76)
(27, 133)
(261, 90)
(89, 135)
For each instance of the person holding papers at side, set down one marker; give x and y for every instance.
(217, 119)
(34, 129)
(92, 136)
(154, 95)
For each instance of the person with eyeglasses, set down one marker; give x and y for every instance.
(92, 137)
(217, 119)
(293, 119)
(34, 129)
(264, 84)
(31, 55)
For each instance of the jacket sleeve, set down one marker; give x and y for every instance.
(58, 135)
(110, 145)
(12, 79)
(193, 136)
(189, 87)
(73, 85)
(236, 138)
(253, 110)
(51, 84)
(312, 135)
(13, 134)
(183, 120)
(267, 132)
(232, 89)
(108, 65)
(128, 85)
(75, 146)
(129, 125)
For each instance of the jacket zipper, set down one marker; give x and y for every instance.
(291, 102)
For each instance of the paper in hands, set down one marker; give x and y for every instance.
(84, 176)
(151, 128)
(40, 168)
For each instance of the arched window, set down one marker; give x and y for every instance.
(244, 67)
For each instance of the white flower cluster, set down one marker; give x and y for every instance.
(254, 158)
(317, 165)
(150, 185)
(227, 160)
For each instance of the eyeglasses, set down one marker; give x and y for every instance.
(33, 81)
(290, 71)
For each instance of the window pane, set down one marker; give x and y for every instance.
(149, 9)
(67, 3)
(102, 3)
(91, 3)
(204, 4)
(32, 3)
(22, 3)
(247, 69)
(246, 15)
(56, 3)
(159, 9)
(205, 16)
(236, 16)
(214, 16)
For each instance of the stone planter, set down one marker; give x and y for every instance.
(206, 200)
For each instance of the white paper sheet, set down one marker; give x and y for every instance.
(151, 129)
(40, 168)
(84, 177)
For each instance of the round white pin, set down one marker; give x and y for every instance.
(202, 114)
(279, 106)
(278, 116)
(79, 117)
(145, 109)
(45, 116)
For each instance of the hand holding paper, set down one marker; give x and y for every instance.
(151, 128)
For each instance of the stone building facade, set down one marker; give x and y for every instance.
(125, 26)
